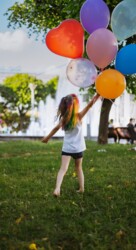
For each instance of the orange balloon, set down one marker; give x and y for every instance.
(110, 83)
(67, 39)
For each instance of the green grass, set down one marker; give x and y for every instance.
(103, 218)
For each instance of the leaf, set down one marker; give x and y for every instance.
(120, 234)
(74, 174)
(92, 169)
(32, 246)
(75, 204)
(18, 221)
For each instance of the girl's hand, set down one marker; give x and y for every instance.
(95, 98)
(45, 139)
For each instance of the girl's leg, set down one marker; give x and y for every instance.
(80, 175)
(63, 169)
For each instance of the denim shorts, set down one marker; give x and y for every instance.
(73, 155)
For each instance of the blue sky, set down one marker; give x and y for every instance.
(19, 52)
(4, 5)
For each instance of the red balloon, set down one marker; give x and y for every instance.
(67, 39)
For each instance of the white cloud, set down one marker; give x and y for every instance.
(13, 41)
(18, 51)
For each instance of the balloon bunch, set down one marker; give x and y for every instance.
(102, 46)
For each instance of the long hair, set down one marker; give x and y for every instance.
(68, 111)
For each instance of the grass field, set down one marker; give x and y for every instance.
(103, 218)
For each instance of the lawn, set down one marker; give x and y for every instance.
(103, 218)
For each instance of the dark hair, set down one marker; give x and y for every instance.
(68, 110)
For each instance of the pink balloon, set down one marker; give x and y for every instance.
(102, 47)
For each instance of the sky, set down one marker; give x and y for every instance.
(20, 53)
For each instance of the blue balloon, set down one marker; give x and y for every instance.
(125, 61)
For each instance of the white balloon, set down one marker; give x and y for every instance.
(123, 19)
(81, 72)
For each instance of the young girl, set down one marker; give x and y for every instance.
(70, 120)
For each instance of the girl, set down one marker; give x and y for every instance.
(70, 120)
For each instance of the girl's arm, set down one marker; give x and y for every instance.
(53, 131)
(89, 105)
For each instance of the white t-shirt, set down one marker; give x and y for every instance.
(74, 141)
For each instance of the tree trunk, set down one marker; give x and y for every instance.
(104, 118)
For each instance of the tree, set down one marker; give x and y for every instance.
(16, 98)
(41, 15)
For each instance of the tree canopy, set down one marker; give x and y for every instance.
(16, 97)
(41, 15)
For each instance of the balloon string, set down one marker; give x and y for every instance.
(102, 98)
(112, 102)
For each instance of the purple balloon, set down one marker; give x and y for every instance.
(94, 14)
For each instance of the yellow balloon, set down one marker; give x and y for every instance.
(110, 83)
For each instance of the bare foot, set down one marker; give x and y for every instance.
(80, 191)
(56, 193)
